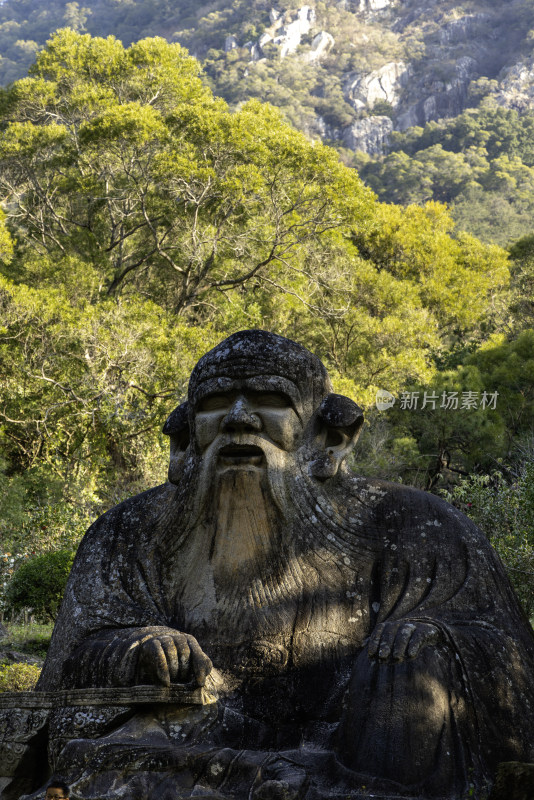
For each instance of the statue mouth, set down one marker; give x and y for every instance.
(235, 455)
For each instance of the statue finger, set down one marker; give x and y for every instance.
(421, 638)
(387, 640)
(171, 656)
(201, 665)
(154, 663)
(374, 641)
(184, 657)
(402, 640)
(144, 664)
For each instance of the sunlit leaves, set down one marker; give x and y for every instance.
(6, 243)
(154, 181)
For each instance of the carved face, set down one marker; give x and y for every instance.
(236, 424)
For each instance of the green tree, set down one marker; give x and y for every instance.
(446, 435)
(480, 162)
(87, 385)
(522, 269)
(124, 159)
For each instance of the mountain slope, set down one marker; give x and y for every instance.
(349, 71)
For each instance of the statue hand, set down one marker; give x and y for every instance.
(166, 658)
(401, 639)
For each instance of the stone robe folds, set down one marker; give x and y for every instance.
(303, 708)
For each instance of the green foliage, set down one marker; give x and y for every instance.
(134, 196)
(433, 443)
(18, 677)
(416, 244)
(504, 508)
(522, 269)
(6, 244)
(39, 584)
(122, 160)
(33, 639)
(481, 162)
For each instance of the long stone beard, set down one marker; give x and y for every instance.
(254, 554)
(243, 528)
(234, 544)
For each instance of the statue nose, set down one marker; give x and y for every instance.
(240, 418)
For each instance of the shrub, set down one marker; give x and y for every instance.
(39, 584)
(18, 677)
(505, 510)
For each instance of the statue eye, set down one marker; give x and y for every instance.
(272, 399)
(214, 402)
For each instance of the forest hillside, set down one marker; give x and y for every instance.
(376, 77)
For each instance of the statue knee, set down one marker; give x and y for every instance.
(397, 707)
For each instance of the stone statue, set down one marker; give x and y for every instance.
(360, 636)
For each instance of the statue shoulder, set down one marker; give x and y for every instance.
(413, 511)
(132, 514)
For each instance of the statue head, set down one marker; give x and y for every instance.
(256, 397)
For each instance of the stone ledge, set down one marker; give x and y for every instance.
(108, 696)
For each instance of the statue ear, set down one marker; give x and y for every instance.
(338, 424)
(177, 428)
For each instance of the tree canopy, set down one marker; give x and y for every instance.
(481, 163)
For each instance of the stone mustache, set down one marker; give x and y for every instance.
(360, 636)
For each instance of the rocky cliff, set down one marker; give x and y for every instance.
(349, 71)
(393, 63)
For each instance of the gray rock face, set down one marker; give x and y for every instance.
(447, 100)
(463, 29)
(453, 51)
(322, 43)
(304, 632)
(230, 43)
(286, 32)
(516, 89)
(383, 84)
(369, 135)
(289, 35)
(372, 5)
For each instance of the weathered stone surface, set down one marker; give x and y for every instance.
(322, 43)
(29, 719)
(357, 633)
(448, 99)
(289, 35)
(464, 28)
(372, 5)
(23, 747)
(514, 781)
(286, 32)
(230, 43)
(382, 84)
(516, 86)
(369, 135)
